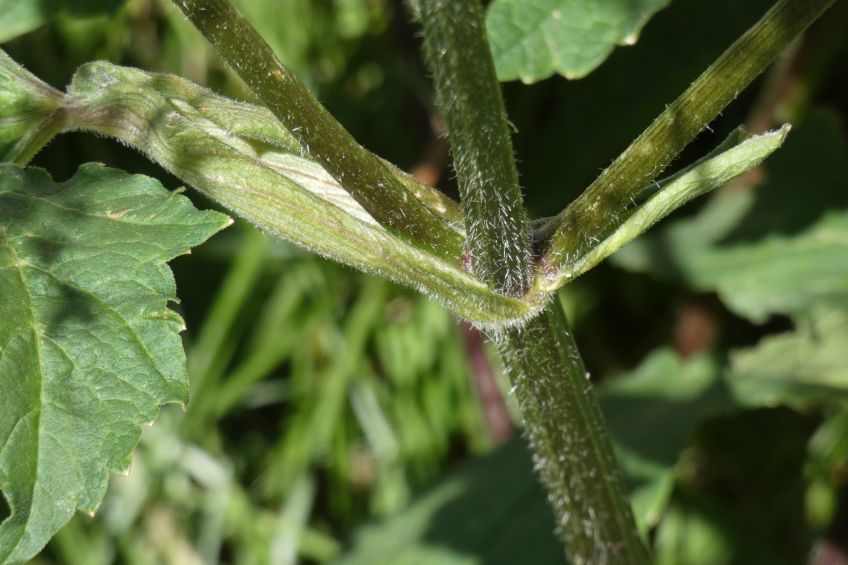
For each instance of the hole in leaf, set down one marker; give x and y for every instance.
(5, 509)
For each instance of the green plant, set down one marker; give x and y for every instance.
(79, 257)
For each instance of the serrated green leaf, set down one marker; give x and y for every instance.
(89, 349)
(785, 275)
(20, 16)
(533, 39)
(468, 518)
(652, 414)
(778, 275)
(807, 365)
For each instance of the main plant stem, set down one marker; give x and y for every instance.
(572, 449)
(457, 50)
(571, 445)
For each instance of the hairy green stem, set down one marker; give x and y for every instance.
(32, 113)
(571, 445)
(739, 153)
(604, 204)
(358, 171)
(242, 158)
(458, 51)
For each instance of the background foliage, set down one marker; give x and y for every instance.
(334, 416)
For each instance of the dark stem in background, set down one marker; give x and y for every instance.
(601, 207)
(572, 450)
(358, 171)
(792, 80)
(495, 412)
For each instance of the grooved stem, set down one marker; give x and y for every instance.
(571, 444)
(458, 51)
(572, 451)
(602, 206)
(359, 172)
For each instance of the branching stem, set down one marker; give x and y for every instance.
(359, 172)
(571, 444)
(602, 206)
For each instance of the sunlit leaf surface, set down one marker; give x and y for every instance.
(534, 39)
(89, 349)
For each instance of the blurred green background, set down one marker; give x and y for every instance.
(338, 418)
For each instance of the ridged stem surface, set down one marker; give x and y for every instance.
(571, 445)
(456, 47)
(359, 172)
(603, 205)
